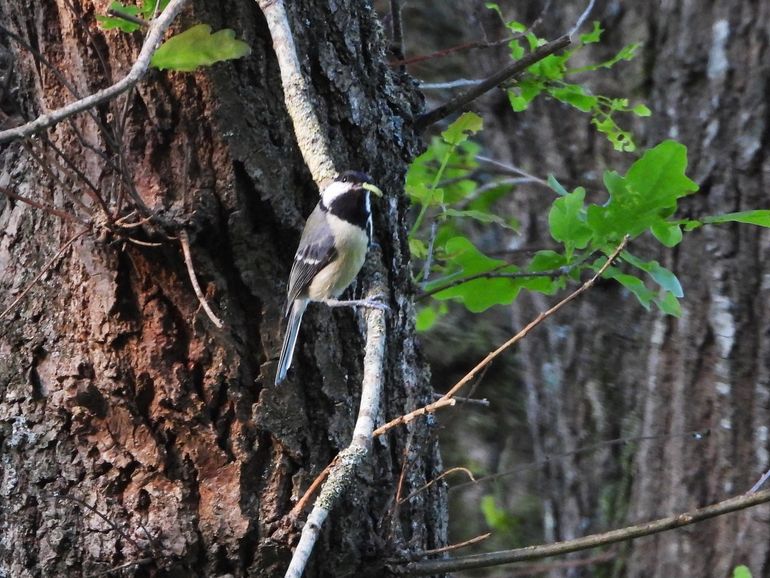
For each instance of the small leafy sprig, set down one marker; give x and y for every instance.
(184, 52)
(643, 201)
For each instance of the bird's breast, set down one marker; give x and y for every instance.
(351, 243)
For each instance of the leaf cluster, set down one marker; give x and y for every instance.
(186, 51)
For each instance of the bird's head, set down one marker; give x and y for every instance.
(351, 184)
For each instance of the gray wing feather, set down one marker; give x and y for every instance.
(316, 250)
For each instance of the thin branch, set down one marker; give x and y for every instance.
(760, 482)
(509, 71)
(451, 547)
(184, 240)
(697, 435)
(45, 268)
(491, 275)
(444, 474)
(95, 511)
(458, 83)
(43, 206)
(447, 399)
(484, 402)
(537, 569)
(512, 170)
(582, 18)
(341, 474)
(138, 70)
(305, 499)
(140, 562)
(397, 32)
(311, 138)
(474, 45)
(734, 504)
(128, 17)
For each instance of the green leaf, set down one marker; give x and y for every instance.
(196, 47)
(633, 284)
(417, 248)
(741, 572)
(556, 186)
(469, 123)
(641, 110)
(758, 217)
(575, 95)
(148, 8)
(567, 220)
(669, 305)
(426, 318)
(669, 234)
(113, 23)
(594, 36)
(546, 260)
(659, 176)
(662, 276)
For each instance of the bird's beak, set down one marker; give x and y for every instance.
(372, 189)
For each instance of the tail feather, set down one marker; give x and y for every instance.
(290, 339)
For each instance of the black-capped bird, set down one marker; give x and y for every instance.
(331, 252)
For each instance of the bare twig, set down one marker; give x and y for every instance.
(550, 458)
(457, 83)
(305, 499)
(341, 474)
(44, 207)
(491, 275)
(138, 70)
(445, 473)
(760, 482)
(474, 45)
(447, 399)
(397, 33)
(311, 138)
(128, 17)
(469, 400)
(509, 71)
(95, 511)
(582, 18)
(45, 268)
(537, 569)
(184, 240)
(429, 567)
(510, 169)
(451, 547)
(140, 562)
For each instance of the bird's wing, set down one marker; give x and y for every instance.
(316, 250)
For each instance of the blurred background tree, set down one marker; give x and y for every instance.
(684, 399)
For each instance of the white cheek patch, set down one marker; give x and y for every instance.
(333, 191)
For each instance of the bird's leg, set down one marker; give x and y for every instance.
(373, 303)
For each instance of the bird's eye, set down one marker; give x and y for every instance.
(345, 179)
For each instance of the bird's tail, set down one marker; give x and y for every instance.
(292, 329)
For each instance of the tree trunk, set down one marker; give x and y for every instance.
(132, 429)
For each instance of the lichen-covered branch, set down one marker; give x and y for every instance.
(342, 471)
(311, 138)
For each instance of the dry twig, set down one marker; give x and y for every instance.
(184, 240)
(138, 70)
(448, 397)
(430, 567)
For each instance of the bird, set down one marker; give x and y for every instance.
(331, 252)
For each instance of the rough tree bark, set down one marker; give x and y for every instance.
(162, 436)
